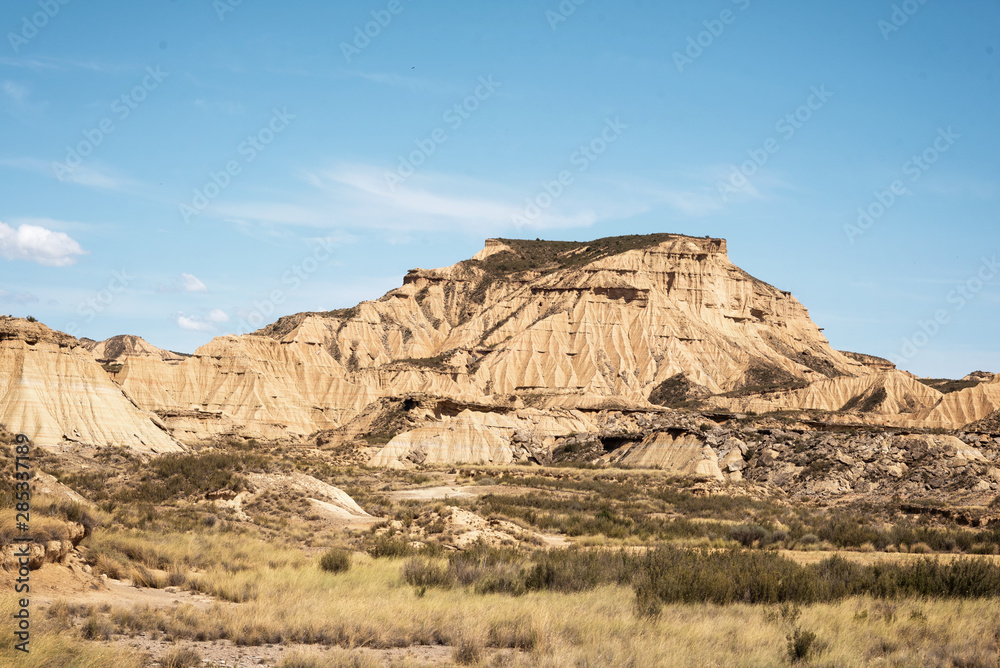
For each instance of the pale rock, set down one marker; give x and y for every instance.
(680, 454)
(53, 391)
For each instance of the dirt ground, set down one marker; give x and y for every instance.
(224, 653)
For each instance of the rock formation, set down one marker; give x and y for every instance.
(117, 349)
(53, 391)
(873, 398)
(529, 350)
(584, 326)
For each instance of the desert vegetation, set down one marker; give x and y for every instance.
(647, 570)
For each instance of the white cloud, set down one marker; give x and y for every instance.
(218, 315)
(58, 225)
(192, 323)
(38, 244)
(193, 284)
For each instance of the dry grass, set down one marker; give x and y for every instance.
(369, 606)
(274, 592)
(52, 648)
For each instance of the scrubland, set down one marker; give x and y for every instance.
(658, 572)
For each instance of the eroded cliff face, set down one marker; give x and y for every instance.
(958, 409)
(574, 325)
(53, 391)
(254, 386)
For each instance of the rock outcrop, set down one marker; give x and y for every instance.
(117, 349)
(53, 391)
(677, 452)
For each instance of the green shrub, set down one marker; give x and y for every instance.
(801, 645)
(336, 560)
(670, 575)
(748, 534)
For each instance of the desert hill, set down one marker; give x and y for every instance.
(583, 326)
(52, 390)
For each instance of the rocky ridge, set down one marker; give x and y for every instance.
(53, 391)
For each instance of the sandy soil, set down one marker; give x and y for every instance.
(224, 653)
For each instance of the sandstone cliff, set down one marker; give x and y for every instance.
(52, 390)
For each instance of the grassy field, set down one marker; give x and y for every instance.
(370, 606)
(658, 573)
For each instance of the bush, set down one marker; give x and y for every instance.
(181, 657)
(801, 644)
(748, 534)
(426, 573)
(467, 652)
(670, 575)
(389, 547)
(336, 560)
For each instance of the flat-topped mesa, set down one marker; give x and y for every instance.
(548, 323)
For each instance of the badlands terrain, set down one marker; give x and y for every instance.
(624, 452)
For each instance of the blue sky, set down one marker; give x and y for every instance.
(182, 170)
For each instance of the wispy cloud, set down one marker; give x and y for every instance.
(224, 107)
(91, 176)
(15, 91)
(192, 283)
(63, 64)
(359, 196)
(218, 315)
(192, 323)
(17, 298)
(17, 98)
(412, 83)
